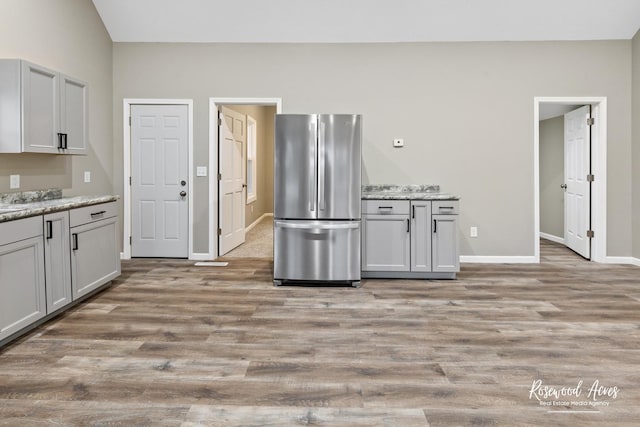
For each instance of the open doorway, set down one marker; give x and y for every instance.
(256, 117)
(551, 220)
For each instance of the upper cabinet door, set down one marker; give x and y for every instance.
(339, 166)
(73, 115)
(40, 101)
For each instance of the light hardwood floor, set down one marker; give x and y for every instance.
(176, 345)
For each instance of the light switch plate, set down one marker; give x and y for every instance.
(398, 142)
(87, 176)
(473, 232)
(201, 171)
(14, 181)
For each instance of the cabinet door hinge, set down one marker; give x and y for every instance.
(590, 234)
(219, 232)
(591, 178)
(130, 183)
(591, 121)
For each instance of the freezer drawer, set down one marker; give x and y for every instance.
(316, 251)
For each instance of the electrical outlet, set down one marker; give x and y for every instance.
(87, 176)
(14, 181)
(473, 232)
(398, 142)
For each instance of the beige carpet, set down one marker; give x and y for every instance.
(258, 242)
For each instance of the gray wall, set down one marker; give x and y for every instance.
(636, 145)
(68, 36)
(552, 176)
(465, 111)
(264, 117)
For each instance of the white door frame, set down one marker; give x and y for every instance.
(126, 138)
(598, 169)
(214, 103)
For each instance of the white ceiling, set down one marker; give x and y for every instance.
(367, 21)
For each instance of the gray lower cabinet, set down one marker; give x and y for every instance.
(444, 242)
(410, 239)
(22, 280)
(57, 260)
(421, 236)
(95, 259)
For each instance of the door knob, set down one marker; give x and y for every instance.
(183, 193)
(563, 186)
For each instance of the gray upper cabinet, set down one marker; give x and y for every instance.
(57, 260)
(22, 286)
(73, 115)
(45, 111)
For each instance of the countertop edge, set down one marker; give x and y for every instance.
(409, 196)
(56, 205)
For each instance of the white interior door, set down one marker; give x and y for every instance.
(577, 167)
(159, 181)
(232, 141)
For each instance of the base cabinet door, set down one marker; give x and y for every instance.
(94, 256)
(22, 289)
(420, 236)
(385, 243)
(57, 260)
(445, 243)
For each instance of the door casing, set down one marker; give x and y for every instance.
(126, 157)
(598, 168)
(214, 201)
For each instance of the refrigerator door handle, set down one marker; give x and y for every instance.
(314, 167)
(285, 224)
(321, 167)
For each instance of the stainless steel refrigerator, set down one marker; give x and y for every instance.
(317, 198)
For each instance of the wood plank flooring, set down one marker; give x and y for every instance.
(171, 344)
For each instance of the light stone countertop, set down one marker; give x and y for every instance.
(405, 192)
(48, 206)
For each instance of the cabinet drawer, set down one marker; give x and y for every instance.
(385, 207)
(444, 207)
(92, 213)
(20, 229)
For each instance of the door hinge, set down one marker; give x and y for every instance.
(130, 241)
(591, 121)
(130, 183)
(590, 234)
(591, 178)
(219, 232)
(219, 177)
(129, 120)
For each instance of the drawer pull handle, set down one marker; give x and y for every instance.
(98, 213)
(74, 236)
(446, 207)
(435, 225)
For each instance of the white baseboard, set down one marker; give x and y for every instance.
(498, 259)
(254, 223)
(622, 260)
(200, 256)
(552, 238)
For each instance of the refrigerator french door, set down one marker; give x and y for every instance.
(317, 198)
